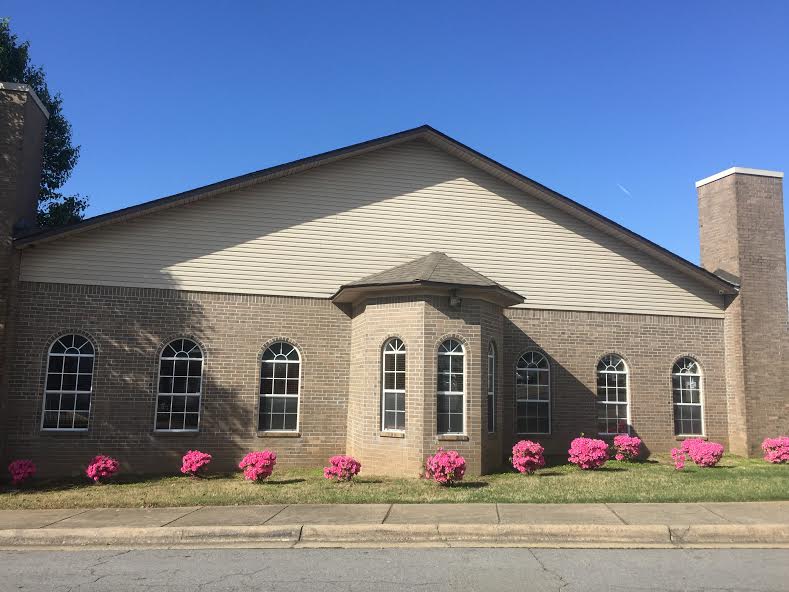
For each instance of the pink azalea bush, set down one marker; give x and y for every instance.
(21, 470)
(776, 450)
(527, 456)
(445, 467)
(194, 461)
(627, 447)
(342, 468)
(258, 465)
(588, 453)
(704, 454)
(101, 467)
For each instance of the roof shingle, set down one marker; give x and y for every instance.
(436, 268)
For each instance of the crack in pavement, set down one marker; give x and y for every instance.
(562, 581)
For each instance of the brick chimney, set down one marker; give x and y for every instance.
(23, 121)
(741, 219)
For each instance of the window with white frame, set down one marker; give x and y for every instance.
(533, 394)
(280, 384)
(393, 396)
(612, 396)
(491, 388)
(451, 387)
(687, 391)
(180, 387)
(69, 384)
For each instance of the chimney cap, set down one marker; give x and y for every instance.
(26, 88)
(741, 170)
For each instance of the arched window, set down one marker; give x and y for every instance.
(393, 401)
(612, 411)
(69, 384)
(491, 388)
(180, 386)
(687, 391)
(451, 387)
(533, 394)
(280, 378)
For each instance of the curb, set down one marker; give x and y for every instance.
(564, 534)
(737, 534)
(378, 535)
(214, 536)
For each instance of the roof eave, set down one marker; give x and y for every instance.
(596, 219)
(290, 168)
(437, 138)
(352, 293)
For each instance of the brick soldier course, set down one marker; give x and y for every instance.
(743, 356)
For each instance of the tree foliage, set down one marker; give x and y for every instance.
(60, 154)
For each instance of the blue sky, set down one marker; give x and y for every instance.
(619, 105)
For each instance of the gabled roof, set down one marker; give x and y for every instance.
(433, 270)
(425, 133)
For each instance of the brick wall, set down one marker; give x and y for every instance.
(575, 341)
(462, 323)
(129, 327)
(22, 126)
(375, 322)
(340, 404)
(742, 235)
(422, 323)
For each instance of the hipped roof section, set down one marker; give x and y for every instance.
(426, 133)
(436, 270)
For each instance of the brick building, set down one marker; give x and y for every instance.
(380, 300)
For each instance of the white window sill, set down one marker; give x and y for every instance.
(452, 437)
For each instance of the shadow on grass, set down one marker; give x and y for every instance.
(470, 485)
(555, 461)
(283, 481)
(46, 487)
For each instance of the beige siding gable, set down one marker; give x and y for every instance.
(307, 234)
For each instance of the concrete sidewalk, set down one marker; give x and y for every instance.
(614, 525)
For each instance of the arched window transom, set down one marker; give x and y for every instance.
(69, 384)
(686, 387)
(393, 402)
(280, 384)
(180, 387)
(612, 396)
(451, 387)
(533, 394)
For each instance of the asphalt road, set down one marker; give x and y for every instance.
(400, 570)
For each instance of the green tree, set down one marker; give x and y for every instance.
(60, 155)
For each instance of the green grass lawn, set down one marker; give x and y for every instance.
(734, 479)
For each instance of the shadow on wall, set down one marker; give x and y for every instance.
(572, 413)
(129, 332)
(573, 401)
(227, 415)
